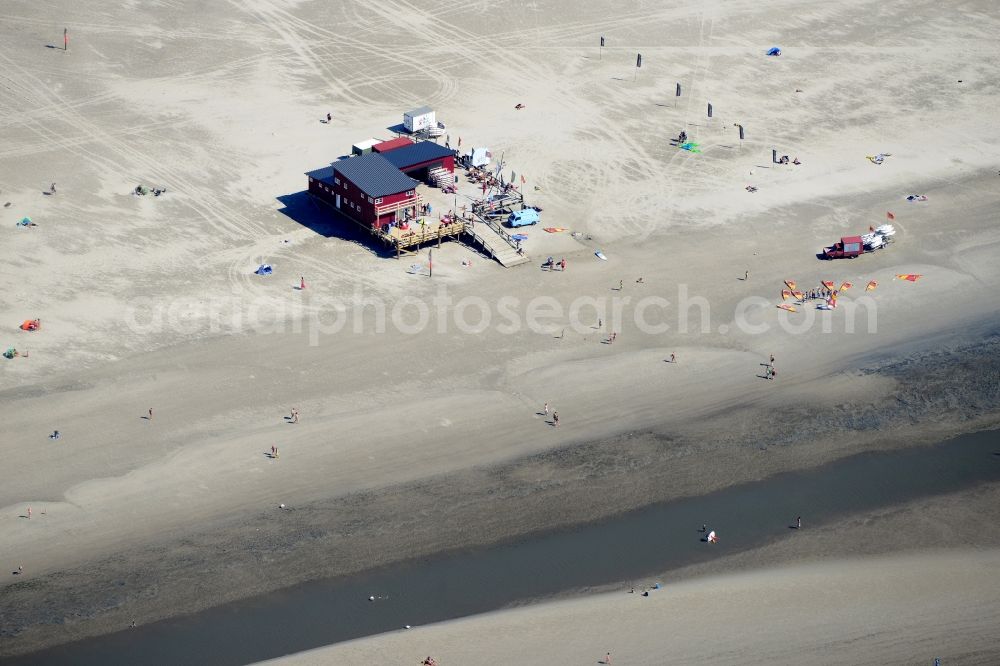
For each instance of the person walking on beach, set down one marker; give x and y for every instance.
(673, 358)
(302, 282)
(746, 276)
(52, 190)
(555, 419)
(772, 372)
(607, 658)
(798, 523)
(29, 513)
(150, 413)
(272, 450)
(621, 284)
(562, 264)
(546, 408)
(772, 359)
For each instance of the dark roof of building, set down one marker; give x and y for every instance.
(374, 175)
(423, 151)
(392, 144)
(324, 175)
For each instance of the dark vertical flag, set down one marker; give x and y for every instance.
(741, 131)
(65, 39)
(678, 93)
(709, 109)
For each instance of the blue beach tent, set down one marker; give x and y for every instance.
(774, 51)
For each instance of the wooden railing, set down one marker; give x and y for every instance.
(382, 209)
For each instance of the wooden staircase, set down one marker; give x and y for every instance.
(495, 242)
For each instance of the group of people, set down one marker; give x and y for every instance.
(141, 190)
(784, 160)
(551, 264)
(821, 292)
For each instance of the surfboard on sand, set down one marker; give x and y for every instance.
(600, 255)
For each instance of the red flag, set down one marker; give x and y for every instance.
(889, 216)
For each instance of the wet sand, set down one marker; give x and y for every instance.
(901, 609)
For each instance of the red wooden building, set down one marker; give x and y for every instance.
(367, 188)
(418, 159)
(373, 188)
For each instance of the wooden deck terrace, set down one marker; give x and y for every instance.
(432, 230)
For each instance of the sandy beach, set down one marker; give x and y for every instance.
(423, 435)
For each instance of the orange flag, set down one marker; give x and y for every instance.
(798, 295)
(785, 294)
(790, 284)
(844, 286)
(889, 216)
(787, 307)
(871, 286)
(909, 276)
(828, 284)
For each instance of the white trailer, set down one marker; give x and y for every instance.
(419, 119)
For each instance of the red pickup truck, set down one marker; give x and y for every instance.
(849, 246)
